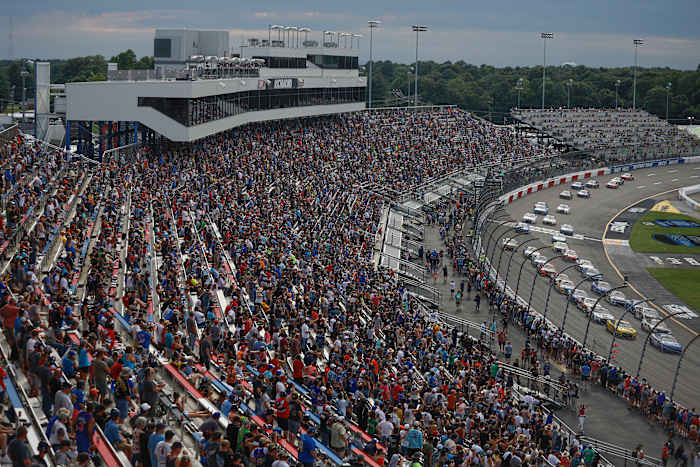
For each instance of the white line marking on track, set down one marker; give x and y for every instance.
(696, 168)
(694, 176)
(651, 175)
(640, 187)
(673, 171)
(657, 183)
(674, 180)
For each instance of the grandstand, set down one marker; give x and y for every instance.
(230, 277)
(612, 131)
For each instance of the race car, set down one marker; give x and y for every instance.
(578, 296)
(587, 304)
(618, 180)
(592, 184)
(581, 264)
(644, 312)
(549, 220)
(541, 209)
(509, 244)
(600, 287)
(547, 270)
(538, 260)
(559, 278)
(591, 273)
(666, 343)
(522, 227)
(601, 315)
(571, 255)
(649, 323)
(612, 185)
(557, 237)
(621, 328)
(566, 194)
(565, 287)
(567, 229)
(529, 218)
(617, 298)
(577, 186)
(559, 247)
(563, 209)
(529, 251)
(584, 194)
(627, 176)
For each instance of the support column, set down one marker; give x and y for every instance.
(136, 132)
(67, 134)
(102, 138)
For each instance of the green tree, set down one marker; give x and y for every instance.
(125, 60)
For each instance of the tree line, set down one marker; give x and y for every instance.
(485, 89)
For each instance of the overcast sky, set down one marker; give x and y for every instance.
(497, 32)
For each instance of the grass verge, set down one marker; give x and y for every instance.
(683, 283)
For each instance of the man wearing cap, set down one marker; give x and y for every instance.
(62, 399)
(156, 437)
(308, 446)
(339, 436)
(84, 427)
(113, 435)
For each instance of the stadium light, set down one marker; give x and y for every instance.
(373, 23)
(274, 27)
(637, 43)
(617, 89)
(417, 29)
(519, 87)
(545, 36)
(358, 37)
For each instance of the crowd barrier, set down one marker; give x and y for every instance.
(689, 190)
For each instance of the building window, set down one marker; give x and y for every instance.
(162, 48)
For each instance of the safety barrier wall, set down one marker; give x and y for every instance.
(689, 190)
(586, 174)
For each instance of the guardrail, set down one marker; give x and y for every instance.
(689, 190)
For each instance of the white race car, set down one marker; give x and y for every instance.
(577, 186)
(601, 315)
(567, 229)
(566, 194)
(560, 247)
(563, 209)
(549, 220)
(584, 194)
(529, 218)
(557, 237)
(592, 184)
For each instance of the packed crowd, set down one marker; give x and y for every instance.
(227, 289)
(594, 129)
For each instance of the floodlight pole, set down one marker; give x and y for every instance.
(417, 29)
(637, 44)
(545, 36)
(372, 25)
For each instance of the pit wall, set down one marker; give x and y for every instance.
(591, 173)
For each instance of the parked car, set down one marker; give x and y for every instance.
(563, 209)
(584, 194)
(600, 287)
(666, 343)
(577, 186)
(529, 218)
(566, 194)
(549, 220)
(592, 184)
(567, 229)
(621, 328)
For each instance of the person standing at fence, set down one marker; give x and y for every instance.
(581, 417)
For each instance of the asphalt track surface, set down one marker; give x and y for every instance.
(590, 218)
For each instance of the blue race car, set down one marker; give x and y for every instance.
(522, 227)
(666, 342)
(600, 287)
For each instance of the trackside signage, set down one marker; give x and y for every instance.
(646, 165)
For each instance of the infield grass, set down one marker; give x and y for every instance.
(642, 241)
(683, 283)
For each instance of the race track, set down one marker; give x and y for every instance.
(589, 217)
